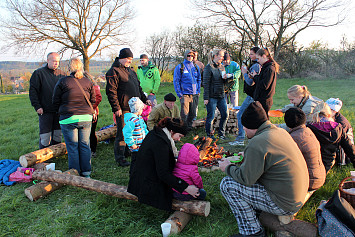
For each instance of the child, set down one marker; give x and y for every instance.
(135, 128)
(186, 169)
(308, 144)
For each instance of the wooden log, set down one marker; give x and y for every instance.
(178, 221)
(203, 148)
(60, 149)
(44, 188)
(195, 207)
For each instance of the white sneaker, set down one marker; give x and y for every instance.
(237, 143)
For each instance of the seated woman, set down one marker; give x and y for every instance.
(330, 135)
(308, 144)
(300, 97)
(152, 179)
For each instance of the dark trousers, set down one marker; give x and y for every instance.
(120, 145)
(188, 197)
(93, 138)
(189, 105)
(49, 130)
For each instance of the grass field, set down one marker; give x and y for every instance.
(72, 211)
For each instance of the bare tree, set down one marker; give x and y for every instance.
(86, 26)
(159, 47)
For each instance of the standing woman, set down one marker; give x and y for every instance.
(214, 77)
(73, 98)
(95, 116)
(265, 82)
(152, 179)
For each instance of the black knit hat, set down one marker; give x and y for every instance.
(170, 97)
(254, 116)
(176, 125)
(294, 117)
(125, 53)
(143, 56)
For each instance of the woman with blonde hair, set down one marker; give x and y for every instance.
(330, 135)
(300, 97)
(214, 76)
(73, 98)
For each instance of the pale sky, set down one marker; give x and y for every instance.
(154, 16)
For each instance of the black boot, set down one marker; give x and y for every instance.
(123, 162)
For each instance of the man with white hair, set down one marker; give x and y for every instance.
(42, 83)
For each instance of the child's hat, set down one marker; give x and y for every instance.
(135, 104)
(335, 104)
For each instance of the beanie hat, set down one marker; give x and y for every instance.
(188, 52)
(294, 117)
(334, 104)
(170, 97)
(227, 56)
(144, 56)
(254, 116)
(176, 125)
(135, 104)
(125, 53)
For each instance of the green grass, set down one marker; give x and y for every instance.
(72, 211)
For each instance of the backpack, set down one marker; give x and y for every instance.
(182, 68)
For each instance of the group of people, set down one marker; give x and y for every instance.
(281, 162)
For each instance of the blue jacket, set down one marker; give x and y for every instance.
(7, 167)
(187, 82)
(134, 130)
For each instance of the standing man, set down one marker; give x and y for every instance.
(273, 177)
(187, 84)
(122, 85)
(232, 86)
(166, 109)
(42, 84)
(198, 63)
(149, 77)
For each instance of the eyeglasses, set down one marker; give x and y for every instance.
(190, 55)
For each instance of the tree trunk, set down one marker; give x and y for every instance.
(60, 149)
(44, 188)
(86, 61)
(201, 208)
(178, 221)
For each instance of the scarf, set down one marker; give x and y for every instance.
(168, 134)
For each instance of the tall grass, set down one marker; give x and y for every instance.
(72, 211)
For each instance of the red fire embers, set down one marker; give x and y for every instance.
(209, 154)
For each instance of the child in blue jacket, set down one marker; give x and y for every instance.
(135, 128)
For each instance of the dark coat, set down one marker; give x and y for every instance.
(310, 148)
(121, 85)
(152, 179)
(339, 118)
(213, 83)
(265, 84)
(330, 135)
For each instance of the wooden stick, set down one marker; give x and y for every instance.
(195, 207)
(60, 149)
(178, 221)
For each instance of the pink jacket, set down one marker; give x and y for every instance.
(146, 111)
(186, 166)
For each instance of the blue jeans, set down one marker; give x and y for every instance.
(77, 140)
(221, 104)
(241, 134)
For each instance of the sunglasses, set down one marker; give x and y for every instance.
(190, 55)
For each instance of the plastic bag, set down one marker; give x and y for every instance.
(22, 175)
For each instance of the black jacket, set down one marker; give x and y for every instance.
(330, 139)
(42, 83)
(121, 85)
(339, 118)
(152, 179)
(69, 100)
(265, 83)
(213, 83)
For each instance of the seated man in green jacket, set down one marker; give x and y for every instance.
(166, 109)
(149, 77)
(273, 177)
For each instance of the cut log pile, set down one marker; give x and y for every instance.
(232, 122)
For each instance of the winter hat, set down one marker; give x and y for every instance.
(125, 53)
(170, 97)
(227, 56)
(135, 104)
(144, 56)
(188, 52)
(176, 125)
(334, 104)
(254, 116)
(294, 117)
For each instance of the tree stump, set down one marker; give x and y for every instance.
(195, 207)
(178, 221)
(60, 149)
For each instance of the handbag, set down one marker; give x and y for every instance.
(86, 98)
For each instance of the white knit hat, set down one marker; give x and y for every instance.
(334, 104)
(135, 104)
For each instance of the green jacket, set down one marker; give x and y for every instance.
(234, 69)
(273, 160)
(159, 112)
(150, 81)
